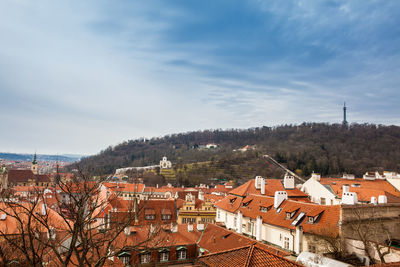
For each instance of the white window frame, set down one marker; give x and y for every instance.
(182, 254)
(145, 258)
(164, 256)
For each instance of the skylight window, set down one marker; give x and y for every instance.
(298, 218)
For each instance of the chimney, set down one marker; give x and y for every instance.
(288, 181)
(262, 185)
(279, 197)
(190, 227)
(43, 211)
(156, 185)
(382, 199)
(373, 200)
(174, 227)
(346, 188)
(257, 182)
(239, 222)
(316, 176)
(259, 228)
(349, 198)
(299, 238)
(348, 176)
(200, 227)
(201, 195)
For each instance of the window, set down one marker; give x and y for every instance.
(218, 214)
(164, 256)
(286, 243)
(245, 204)
(150, 217)
(166, 217)
(311, 248)
(310, 219)
(265, 209)
(145, 258)
(125, 260)
(181, 254)
(323, 201)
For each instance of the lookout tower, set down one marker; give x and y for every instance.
(345, 123)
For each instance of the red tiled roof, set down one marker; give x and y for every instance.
(365, 188)
(125, 187)
(271, 186)
(250, 255)
(326, 224)
(16, 176)
(216, 238)
(230, 203)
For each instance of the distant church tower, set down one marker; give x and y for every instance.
(34, 166)
(345, 123)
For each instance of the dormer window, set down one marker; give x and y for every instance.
(232, 200)
(245, 204)
(290, 215)
(265, 209)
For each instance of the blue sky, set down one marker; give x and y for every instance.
(77, 76)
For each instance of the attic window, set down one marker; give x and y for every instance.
(313, 219)
(265, 209)
(333, 182)
(232, 200)
(245, 204)
(355, 185)
(290, 215)
(278, 210)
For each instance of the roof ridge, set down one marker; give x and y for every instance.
(249, 255)
(225, 251)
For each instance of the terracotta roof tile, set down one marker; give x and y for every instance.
(365, 189)
(250, 255)
(271, 186)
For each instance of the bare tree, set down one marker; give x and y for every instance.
(68, 228)
(371, 228)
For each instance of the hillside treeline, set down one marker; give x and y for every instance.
(329, 149)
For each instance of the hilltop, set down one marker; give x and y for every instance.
(329, 149)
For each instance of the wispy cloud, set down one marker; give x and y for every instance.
(76, 76)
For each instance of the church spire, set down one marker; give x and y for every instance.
(34, 165)
(34, 159)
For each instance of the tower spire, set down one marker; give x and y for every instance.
(344, 114)
(34, 159)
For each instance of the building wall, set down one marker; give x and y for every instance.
(316, 191)
(366, 215)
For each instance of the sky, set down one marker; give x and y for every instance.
(77, 76)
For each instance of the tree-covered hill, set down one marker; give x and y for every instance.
(320, 147)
